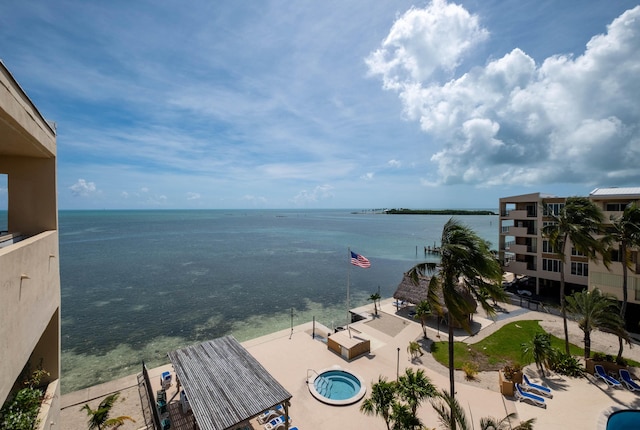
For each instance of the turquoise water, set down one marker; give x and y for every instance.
(337, 385)
(624, 420)
(137, 284)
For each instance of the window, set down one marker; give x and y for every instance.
(550, 265)
(547, 248)
(580, 269)
(616, 255)
(553, 208)
(576, 252)
(4, 202)
(615, 207)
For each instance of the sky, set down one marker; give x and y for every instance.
(163, 104)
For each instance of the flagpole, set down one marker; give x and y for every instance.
(348, 282)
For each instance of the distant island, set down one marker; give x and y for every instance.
(438, 212)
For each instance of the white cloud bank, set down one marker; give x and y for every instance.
(83, 188)
(513, 121)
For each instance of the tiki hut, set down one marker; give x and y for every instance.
(408, 291)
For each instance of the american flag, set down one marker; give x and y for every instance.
(359, 260)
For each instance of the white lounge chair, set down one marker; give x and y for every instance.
(276, 423)
(539, 389)
(628, 381)
(522, 396)
(611, 381)
(270, 414)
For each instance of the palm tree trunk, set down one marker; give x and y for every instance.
(587, 344)
(563, 309)
(625, 295)
(452, 377)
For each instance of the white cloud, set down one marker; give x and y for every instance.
(368, 176)
(193, 196)
(321, 192)
(83, 188)
(394, 163)
(512, 121)
(424, 41)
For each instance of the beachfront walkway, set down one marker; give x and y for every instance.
(290, 357)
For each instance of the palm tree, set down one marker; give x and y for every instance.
(423, 311)
(414, 350)
(414, 387)
(466, 266)
(403, 418)
(449, 411)
(490, 423)
(540, 350)
(596, 310)
(625, 231)
(99, 418)
(578, 221)
(375, 297)
(382, 398)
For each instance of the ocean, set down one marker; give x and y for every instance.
(137, 284)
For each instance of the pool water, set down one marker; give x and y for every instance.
(337, 387)
(624, 420)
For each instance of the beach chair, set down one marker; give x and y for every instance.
(523, 396)
(277, 423)
(628, 381)
(165, 380)
(538, 389)
(600, 373)
(270, 414)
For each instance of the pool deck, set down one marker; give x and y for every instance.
(290, 356)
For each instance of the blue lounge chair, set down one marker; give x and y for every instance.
(522, 396)
(539, 389)
(611, 381)
(628, 381)
(277, 423)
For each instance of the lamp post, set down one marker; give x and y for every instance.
(398, 365)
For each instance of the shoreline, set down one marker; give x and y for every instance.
(131, 401)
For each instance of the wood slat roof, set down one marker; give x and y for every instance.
(224, 384)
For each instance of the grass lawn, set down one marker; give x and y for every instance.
(502, 347)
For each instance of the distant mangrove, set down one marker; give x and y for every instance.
(438, 212)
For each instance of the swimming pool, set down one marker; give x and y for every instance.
(336, 386)
(624, 420)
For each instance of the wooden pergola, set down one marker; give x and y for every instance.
(225, 385)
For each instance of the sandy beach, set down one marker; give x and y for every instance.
(288, 356)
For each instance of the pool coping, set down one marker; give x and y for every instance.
(603, 419)
(355, 398)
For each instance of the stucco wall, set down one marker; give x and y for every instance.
(30, 291)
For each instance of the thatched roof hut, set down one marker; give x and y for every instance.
(408, 291)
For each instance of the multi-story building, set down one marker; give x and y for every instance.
(524, 251)
(612, 202)
(29, 258)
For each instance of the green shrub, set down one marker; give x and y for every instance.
(470, 370)
(567, 365)
(21, 412)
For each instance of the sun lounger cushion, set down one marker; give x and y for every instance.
(540, 389)
(611, 381)
(628, 381)
(524, 396)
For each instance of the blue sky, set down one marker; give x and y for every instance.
(330, 104)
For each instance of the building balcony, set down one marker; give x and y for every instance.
(514, 214)
(518, 249)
